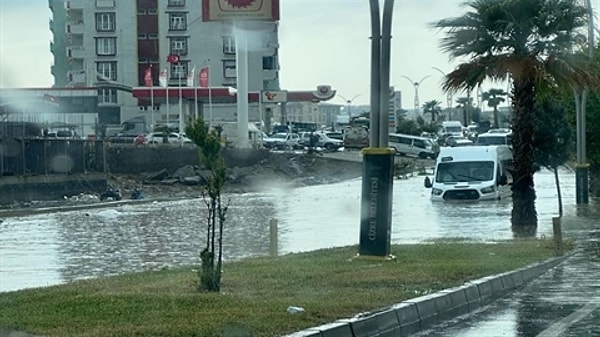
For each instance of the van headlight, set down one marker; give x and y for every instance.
(489, 189)
(436, 191)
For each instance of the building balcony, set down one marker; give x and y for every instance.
(105, 3)
(76, 77)
(74, 5)
(75, 52)
(76, 28)
(270, 74)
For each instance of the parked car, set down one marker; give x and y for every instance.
(282, 141)
(413, 145)
(322, 140)
(172, 138)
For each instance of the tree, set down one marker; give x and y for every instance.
(432, 107)
(464, 104)
(212, 158)
(553, 139)
(494, 97)
(532, 40)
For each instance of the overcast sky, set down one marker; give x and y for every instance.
(321, 42)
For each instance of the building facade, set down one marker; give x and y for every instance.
(118, 45)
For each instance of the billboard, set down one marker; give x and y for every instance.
(229, 10)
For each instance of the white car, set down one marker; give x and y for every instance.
(172, 138)
(282, 140)
(322, 140)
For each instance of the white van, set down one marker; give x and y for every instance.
(413, 145)
(471, 173)
(452, 128)
(495, 137)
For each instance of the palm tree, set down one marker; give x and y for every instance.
(464, 104)
(494, 97)
(533, 41)
(432, 107)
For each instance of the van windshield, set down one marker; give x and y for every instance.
(454, 172)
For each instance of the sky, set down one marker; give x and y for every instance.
(322, 42)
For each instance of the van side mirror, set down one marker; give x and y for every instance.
(427, 182)
(503, 180)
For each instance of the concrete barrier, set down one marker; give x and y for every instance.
(459, 304)
(408, 318)
(335, 329)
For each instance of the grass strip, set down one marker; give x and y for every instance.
(329, 284)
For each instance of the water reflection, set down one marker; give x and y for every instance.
(62, 247)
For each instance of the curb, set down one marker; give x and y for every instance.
(420, 313)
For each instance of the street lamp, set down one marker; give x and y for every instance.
(449, 101)
(348, 103)
(416, 85)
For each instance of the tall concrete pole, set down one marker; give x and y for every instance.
(384, 72)
(375, 73)
(378, 159)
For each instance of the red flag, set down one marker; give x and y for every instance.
(173, 58)
(148, 76)
(203, 77)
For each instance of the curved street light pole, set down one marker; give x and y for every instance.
(448, 94)
(417, 105)
(348, 103)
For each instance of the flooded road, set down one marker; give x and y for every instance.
(47, 249)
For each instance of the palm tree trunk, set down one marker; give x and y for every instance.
(560, 207)
(524, 214)
(496, 121)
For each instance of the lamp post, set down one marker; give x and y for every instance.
(448, 95)
(415, 84)
(349, 103)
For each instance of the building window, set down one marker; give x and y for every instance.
(142, 36)
(152, 11)
(229, 69)
(179, 71)
(106, 46)
(142, 11)
(105, 22)
(177, 21)
(107, 70)
(179, 45)
(228, 45)
(107, 96)
(269, 63)
(153, 36)
(176, 3)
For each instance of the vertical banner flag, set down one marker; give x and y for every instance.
(162, 78)
(203, 77)
(190, 77)
(148, 76)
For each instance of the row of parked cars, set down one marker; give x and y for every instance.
(291, 140)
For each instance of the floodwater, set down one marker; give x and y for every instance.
(47, 249)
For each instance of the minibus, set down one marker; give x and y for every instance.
(413, 145)
(471, 173)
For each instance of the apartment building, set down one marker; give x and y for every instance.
(114, 45)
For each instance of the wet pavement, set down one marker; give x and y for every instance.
(565, 301)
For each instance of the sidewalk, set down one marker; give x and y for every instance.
(421, 313)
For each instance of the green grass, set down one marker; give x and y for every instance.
(330, 284)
